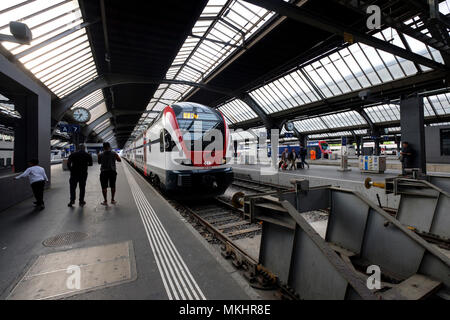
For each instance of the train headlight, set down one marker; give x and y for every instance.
(186, 162)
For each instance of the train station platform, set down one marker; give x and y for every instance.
(140, 248)
(320, 175)
(392, 164)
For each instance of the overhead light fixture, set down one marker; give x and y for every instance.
(20, 33)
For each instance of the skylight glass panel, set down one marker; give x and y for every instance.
(360, 131)
(343, 119)
(222, 28)
(330, 134)
(102, 126)
(350, 69)
(419, 47)
(440, 124)
(59, 54)
(107, 135)
(237, 111)
(383, 113)
(97, 112)
(90, 100)
(242, 136)
(441, 103)
(287, 92)
(309, 125)
(427, 108)
(444, 7)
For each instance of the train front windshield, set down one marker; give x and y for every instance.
(199, 124)
(324, 146)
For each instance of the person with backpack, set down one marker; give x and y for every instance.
(37, 177)
(108, 174)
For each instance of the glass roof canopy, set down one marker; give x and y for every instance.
(350, 69)
(222, 28)
(59, 54)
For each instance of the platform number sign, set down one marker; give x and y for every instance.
(69, 128)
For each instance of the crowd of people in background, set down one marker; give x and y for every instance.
(290, 160)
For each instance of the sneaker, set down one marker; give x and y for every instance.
(113, 201)
(82, 203)
(71, 203)
(104, 203)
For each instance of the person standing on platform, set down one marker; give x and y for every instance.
(37, 177)
(107, 160)
(406, 156)
(284, 157)
(78, 164)
(303, 153)
(292, 159)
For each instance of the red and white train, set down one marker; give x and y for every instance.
(185, 151)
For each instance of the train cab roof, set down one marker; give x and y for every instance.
(191, 105)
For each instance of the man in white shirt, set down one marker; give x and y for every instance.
(37, 177)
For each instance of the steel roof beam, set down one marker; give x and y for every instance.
(60, 106)
(389, 91)
(302, 15)
(268, 122)
(434, 42)
(89, 128)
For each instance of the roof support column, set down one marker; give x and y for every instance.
(411, 122)
(374, 131)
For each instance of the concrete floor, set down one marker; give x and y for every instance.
(22, 231)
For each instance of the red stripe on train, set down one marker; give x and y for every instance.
(198, 158)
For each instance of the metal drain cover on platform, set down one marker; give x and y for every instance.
(65, 239)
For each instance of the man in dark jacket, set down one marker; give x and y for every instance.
(406, 155)
(303, 153)
(108, 174)
(78, 164)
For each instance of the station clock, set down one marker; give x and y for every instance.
(81, 115)
(289, 126)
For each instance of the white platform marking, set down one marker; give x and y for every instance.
(177, 279)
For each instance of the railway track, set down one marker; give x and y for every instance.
(257, 187)
(226, 226)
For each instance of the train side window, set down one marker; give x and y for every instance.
(169, 144)
(161, 141)
(149, 144)
(445, 142)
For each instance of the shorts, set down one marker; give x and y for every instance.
(108, 178)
